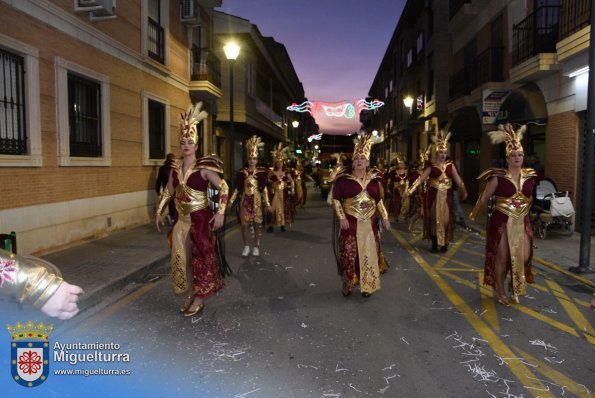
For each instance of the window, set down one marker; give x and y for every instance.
(20, 131)
(409, 57)
(13, 127)
(155, 17)
(155, 119)
(83, 103)
(420, 42)
(84, 116)
(156, 130)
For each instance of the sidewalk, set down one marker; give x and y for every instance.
(106, 265)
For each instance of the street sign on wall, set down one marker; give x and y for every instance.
(492, 100)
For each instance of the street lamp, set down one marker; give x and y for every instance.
(408, 101)
(232, 50)
(295, 125)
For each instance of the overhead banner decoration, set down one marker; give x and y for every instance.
(346, 109)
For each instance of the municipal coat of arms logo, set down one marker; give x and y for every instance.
(30, 353)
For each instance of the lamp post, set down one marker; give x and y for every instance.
(232, 50)
(408, 101)
(295, 125)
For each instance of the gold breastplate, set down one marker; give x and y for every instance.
(279, 185)
(250, 185)
(361, 206)
(516, 206)
(189, 200)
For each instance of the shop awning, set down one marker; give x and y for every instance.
(523, 105)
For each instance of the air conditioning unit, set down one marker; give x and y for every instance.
(107, 10)
(86, 5)
(188, 11)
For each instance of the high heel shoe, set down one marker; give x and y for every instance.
(515, 299)
(504, 301)
(190, 311)
(187, 303)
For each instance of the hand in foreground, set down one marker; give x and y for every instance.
(62, 304)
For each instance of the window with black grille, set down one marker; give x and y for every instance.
(84, 116)
(156, 130)
(13, 129)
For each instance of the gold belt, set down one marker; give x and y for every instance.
(189, 200)
(441, 185)
(516, 206)
(361, 206)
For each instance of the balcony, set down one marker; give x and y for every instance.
(574, 16)
(205, 66)
(536, 34)
(487, 67)
(455, 6)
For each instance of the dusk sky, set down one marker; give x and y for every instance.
(336, 46)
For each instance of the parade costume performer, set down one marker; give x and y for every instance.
(509, 237)
(195, 265)
(357, 197)
(398, 182)
(282, 186)
(420, 195)
(299, 177)
(251, 188)
(438, 207)
(32, 279)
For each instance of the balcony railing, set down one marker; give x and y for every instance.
(489, 66)
(456, 5)
(536, 34)
(205, 65)
(574, 15)
(156, 43)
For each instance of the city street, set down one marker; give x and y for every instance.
(281, 327)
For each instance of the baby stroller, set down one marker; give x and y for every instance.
(551, 210)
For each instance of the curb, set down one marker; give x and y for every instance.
(89, 301)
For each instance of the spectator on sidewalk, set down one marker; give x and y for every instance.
(509, 237)
(30, 279)
(194, 261)
(161, 184)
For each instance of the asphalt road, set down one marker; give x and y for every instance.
(281, 327)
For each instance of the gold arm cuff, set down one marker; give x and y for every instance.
(223, 196)
(476, 210)
(414, 187)
(163, 201)
(31, 279)
(339, 209)
(265, 197)
(463, 191)
(234, 196)
(382, 210)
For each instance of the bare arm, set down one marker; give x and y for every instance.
(218, 182)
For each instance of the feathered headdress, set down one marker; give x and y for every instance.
(441, 140)
(424, 155)
(189, 120)
(279, 153)
(400, 158)
(506, 133)
(339, 157)
(363, 145)
(252, 146)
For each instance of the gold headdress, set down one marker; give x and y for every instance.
(506, 133)
(424, 156)
(363, 145)
(441, 140)
(252, 146)
(189, 120)
(400, 158)
(279, 153)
